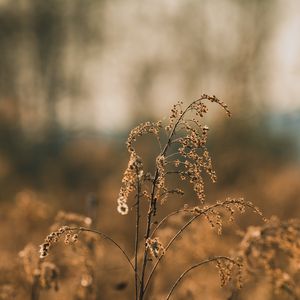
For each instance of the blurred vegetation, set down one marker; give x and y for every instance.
(75, 76)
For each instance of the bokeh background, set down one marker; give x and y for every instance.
(76, 76)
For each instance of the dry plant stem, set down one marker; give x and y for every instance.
(196, 266)
(165, 219)
(83, 229)
(184, 210)
(148, 227)
(181, 230)
(137, 230)
(152, 204)
(166, 249)
(171, 155)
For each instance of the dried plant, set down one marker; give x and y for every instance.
(183, 153)
(274, 250)
(39, 274)
(85, 251)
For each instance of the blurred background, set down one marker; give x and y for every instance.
(76, 76)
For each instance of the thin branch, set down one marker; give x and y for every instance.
(159, 142)
(148, 228)
(172, 154)
(167, 247)
(172, 172)
(83, 229)
(195, 122)
(178, 140)
(202, 212)
(136, 243)
(184, 210)
(171, 162)
(152, 203)
(164, 219)
(196, 266)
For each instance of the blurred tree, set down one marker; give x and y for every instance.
(43, 44)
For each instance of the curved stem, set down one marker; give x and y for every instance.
(164, 219)
(167, 247)
(195, 122)
(172, 162)
(159, 143)
(172, 172)
(172, 154)
(83, 229)
(193, 267)
(203, 211)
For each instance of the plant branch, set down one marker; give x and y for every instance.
(137, 230)
(196, 266)
(152, 204)
(165, 219)
(147, 234)
(84, 229)
(200, 213)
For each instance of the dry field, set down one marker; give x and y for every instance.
(170, 232)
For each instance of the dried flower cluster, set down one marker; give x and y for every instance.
(274, 249)
(161, 190)
(49, 275)
(155, 246)
(213, 215)
(55, 236)
(225, 267)
(134, 170)
(85, 264)
(40, 274)
(30, 261)
(194, 157)
(140, 130)
(86, 288)
(189, 137)
(132, 173)
(75, 223)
